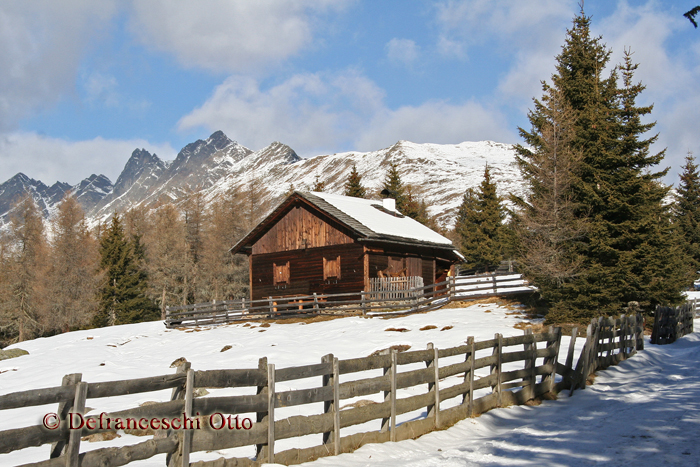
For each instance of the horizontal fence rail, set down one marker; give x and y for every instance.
(383, 296)
(443, 385)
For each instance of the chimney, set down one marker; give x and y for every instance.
(389, 203)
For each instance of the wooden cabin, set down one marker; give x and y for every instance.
(328, 244)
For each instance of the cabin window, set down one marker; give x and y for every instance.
(331, 268)
(280, 273)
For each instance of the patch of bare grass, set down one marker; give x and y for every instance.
(397, 347)
(428, 327)
(397, 329)
(536, 327)
(446, 328)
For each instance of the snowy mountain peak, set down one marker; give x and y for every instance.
(277, 152)
(140, 162)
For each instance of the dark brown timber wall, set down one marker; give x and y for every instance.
(298, 229)
(306, 271)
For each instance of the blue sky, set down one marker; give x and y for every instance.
(85, 83)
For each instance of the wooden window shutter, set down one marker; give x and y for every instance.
(331, 268)
(280, 273)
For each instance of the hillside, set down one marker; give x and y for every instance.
(639, 412)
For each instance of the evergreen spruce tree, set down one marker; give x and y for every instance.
(353, 186)
(479, 226)
(613, 184)
(123, 293)
(686, 213)
(395, 188)
(467, 228)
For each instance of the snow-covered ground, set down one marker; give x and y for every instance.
(643, 409)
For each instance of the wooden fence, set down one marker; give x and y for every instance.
(608, 342)
(413, 300)
(394, 287)
(432, 389)
(672, 323)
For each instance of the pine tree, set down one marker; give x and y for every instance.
(394, 187)
(686, 213)
(479, 226)
(637, 228)
(353, 186)
(612, 184)
(123, 292)
(467, 228)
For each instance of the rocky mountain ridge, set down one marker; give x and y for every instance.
(438, 173)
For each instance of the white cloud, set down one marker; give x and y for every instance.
(515, 25)
(670, 77)
(528, 35)
(41, 45)
(229, 36)
(314, 113)
(53, 159)
(404, 51)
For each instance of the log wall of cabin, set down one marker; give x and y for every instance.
(306, 271)
(395, 264)
(300, 229)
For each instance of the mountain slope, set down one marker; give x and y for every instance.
(437, 173)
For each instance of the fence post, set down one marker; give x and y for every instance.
(393, 395)
(552, 345)
(261, 417)
(386, 422)
(593, 361)
(63, 409)
(327, 380)
(362, 303)
(470, 356)
(178, 393)
(531, 363)
(579, 378)
(623, 338)
(657, 325)
(389, 424)
(495, 287)
(73, 448)
(269, 302)
(336, 407)
(187, 434)
(436, 388)
(271, 413)
(639, 331)
(316, 309)
(430, 409)
(570, 358)
(496, 368)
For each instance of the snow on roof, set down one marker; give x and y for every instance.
(379, 221)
